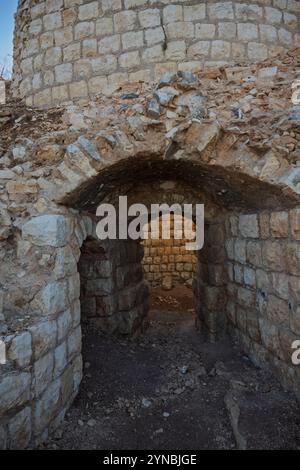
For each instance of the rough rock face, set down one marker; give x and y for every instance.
(65, 50)
(229, 138)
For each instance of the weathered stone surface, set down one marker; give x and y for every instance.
(53, 298)
(47, 407)
(43, 373)
(165, 95)
(74, 342)
(43, 337)
(19, 429)
(248, 225)
(279, 223)
(52, 230)
(14, 390)
(20, 350)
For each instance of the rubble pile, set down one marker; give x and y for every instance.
(253, 103)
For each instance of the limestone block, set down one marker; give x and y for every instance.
(60, 359)
(149, 18)
(53, 298)
(293, 258)
(14, 390)
(240, 251)
(221, 11)
(269, 335)
(53, 56)
(246, 297)
(88, 11)
(65, 262)
(205, 31)
(253, 325)
(280, 282)
(268, 33)
(43, 372)
(254, 253)
(77, 372)
(295, 223)
(273, 16)
(43, 337)
(100, 287)
(63, 73)
(67, 386)
(74, 342)
(228, 30)
(78, 89)
(248, 226)
(294, 284)
(257, 51)
(64, 36)
(125, 21)
(154, 36)
(53, 5)
(172, 13)
(84, 29)
(263, 281)
(73, 288)
(129, 59)
(52, 21)
(247, 12)
(47, 230)
(104, 27)
(181, 29)
(20, 350)
(64, 324)
(132, 40)
(194, 12)
(278, 311)
(247, 31)
(71, 52)
(273, 255)
(19, 428)
(47, 407)
(249, 277)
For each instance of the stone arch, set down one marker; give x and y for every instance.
(239, 282)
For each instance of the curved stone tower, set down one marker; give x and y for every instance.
(70, 49)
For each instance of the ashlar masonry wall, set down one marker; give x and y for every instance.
(167, 262)
(263, 288)
(70, 49)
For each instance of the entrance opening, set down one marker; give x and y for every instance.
(170, 268)
(171, 377)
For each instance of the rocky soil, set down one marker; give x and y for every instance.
(169, 389)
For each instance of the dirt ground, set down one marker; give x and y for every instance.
(168, 389)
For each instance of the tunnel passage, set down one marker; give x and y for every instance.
(246, 280)
(235, 268)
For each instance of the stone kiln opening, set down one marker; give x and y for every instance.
(226, 137)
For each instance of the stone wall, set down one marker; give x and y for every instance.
(114, 295)
(168, 263)
(70, 49)
(43, 370)
(264, 288)
(211, 281)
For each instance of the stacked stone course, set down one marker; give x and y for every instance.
(168, 263)
(264, 286)
(71, 49)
